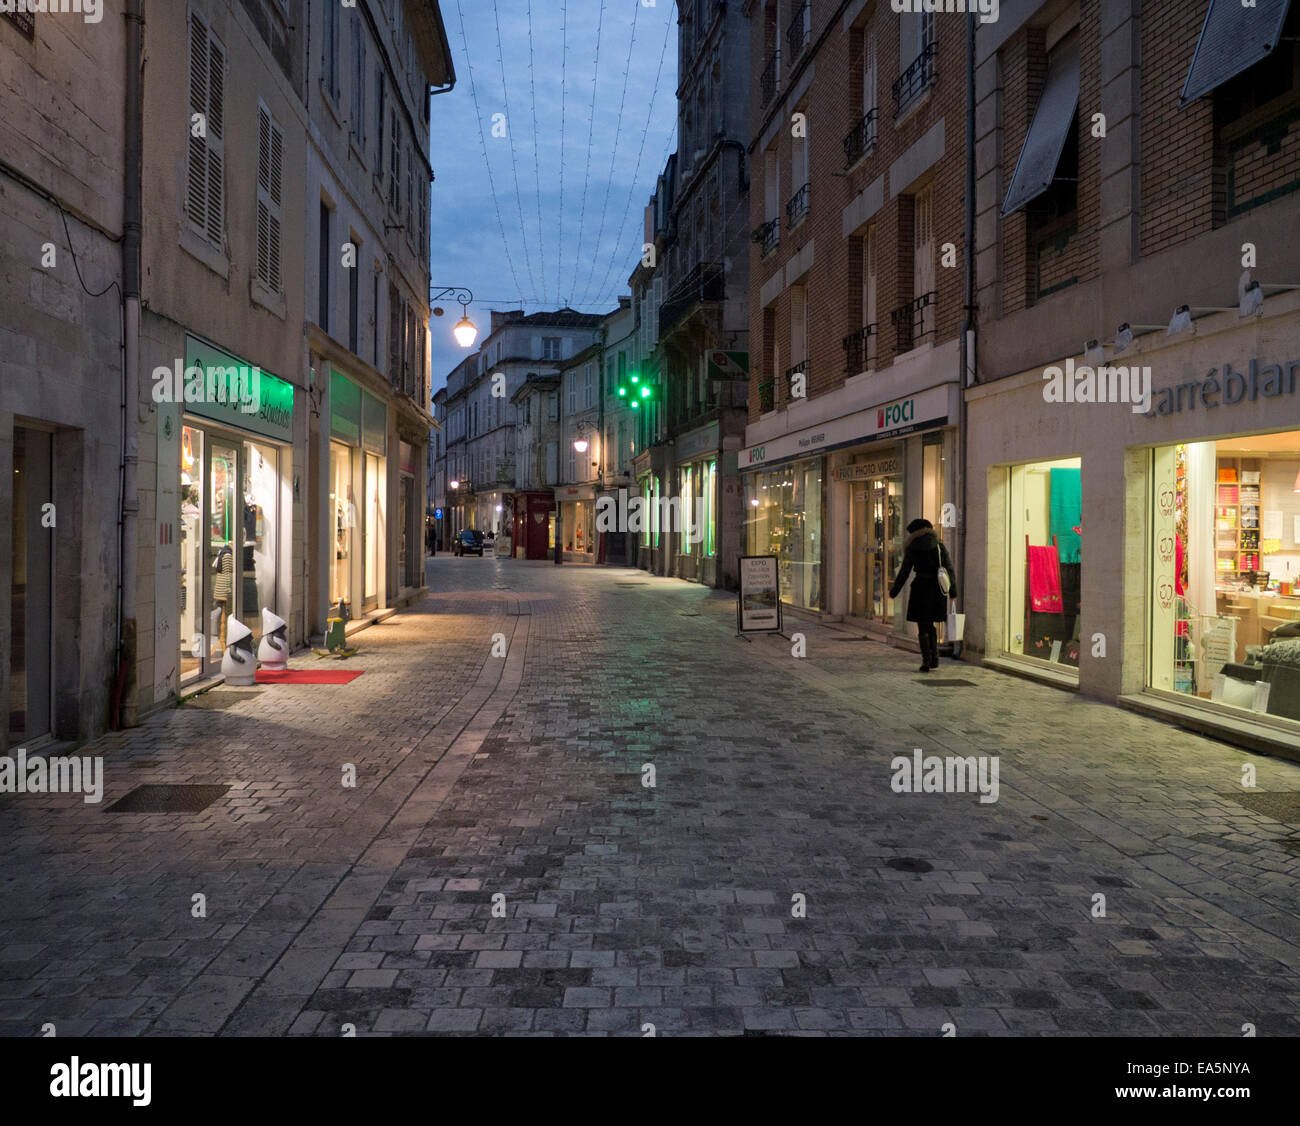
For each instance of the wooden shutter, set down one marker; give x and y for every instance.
(270, 197)
(215, 225)
(196, 192)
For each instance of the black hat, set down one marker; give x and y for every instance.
(919, 523)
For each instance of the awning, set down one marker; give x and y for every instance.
(1045, 140)
(1233, 38)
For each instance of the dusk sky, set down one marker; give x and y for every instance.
(548, 216)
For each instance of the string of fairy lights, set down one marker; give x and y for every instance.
(558, 247)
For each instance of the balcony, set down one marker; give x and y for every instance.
(703, 283)
(860, 141)
(766, 397)
(914, 322)
(767, 83)
(916, 79)
(860, 350)
(797, 209)
(797, 33)
(768, 236)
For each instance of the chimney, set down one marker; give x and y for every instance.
(501, 318)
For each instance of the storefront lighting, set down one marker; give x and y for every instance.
(500, 508)
(580, 444)
(1297, 484)
(1250, 301)
(1094, 352)
(1181, 321)
(454, 484)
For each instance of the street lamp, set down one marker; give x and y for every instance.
(465, 330)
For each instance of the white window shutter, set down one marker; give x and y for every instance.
(215, 225)
(196, 194)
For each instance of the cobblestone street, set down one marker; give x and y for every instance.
(500, 867)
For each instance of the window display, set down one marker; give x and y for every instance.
(1226, 542)
(260, 482)
(1046, 565)
(191, 569)
(784, 518)
(344, 509)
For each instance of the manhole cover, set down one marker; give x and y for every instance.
(167, 799)
(949, 682)
(220, 698)
(1280, 806)
(909, 864)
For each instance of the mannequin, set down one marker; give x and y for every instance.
(223, 588)
(274, 649)
(239, 666)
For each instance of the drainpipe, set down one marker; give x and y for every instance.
(968, 330)
(125, 707)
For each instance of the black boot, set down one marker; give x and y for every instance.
(924, 640)
(934, 650)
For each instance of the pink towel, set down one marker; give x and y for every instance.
(1045, 580)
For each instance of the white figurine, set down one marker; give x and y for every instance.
(273, 652)
(239, 666)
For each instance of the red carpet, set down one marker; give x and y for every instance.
(308, 676)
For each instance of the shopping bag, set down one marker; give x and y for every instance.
(956, 626)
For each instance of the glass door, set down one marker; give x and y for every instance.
(345, 523)
(223, 530)
(859, 551)
(375, 530)
(259, 496)
(193, 574)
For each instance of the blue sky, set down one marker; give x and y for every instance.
(579, 251)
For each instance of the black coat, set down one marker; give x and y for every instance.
(926, 602)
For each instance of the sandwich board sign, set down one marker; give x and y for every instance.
(758, 598)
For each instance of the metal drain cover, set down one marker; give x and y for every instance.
(1283, 805)
(909, 864)
(950, 682)
(167, 799)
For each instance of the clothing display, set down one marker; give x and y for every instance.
(1044, 580)
(1066, 513)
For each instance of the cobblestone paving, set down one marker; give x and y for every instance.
(501, 868)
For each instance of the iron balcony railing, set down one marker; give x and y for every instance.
(767, 235)
(797, 208)
(766, 397)
(860, 350)
(914, 321)
(860, 141)
(703, 283)
(796, 34)
(915, 79)
(767, 83)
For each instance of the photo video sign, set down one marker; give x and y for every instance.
(758, 601)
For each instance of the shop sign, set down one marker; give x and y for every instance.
(728, 365)
(273, 417)
(1226, 388)
(889, 466)
(758, 599)
(691, 445)
(923, 411)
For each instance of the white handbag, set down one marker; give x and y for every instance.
(945, 580)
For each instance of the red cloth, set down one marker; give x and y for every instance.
(1045, 580)
(1178, 566)
(308, 676)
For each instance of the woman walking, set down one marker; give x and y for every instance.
(925, 554)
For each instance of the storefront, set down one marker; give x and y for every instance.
(358, 496)
(235, 462)
(410, 544)
(837, 520)
(1149, 556)
(577, 522)
(695, 542)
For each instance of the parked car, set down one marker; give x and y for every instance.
(469, 541)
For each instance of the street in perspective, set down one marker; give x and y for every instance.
(650, 520)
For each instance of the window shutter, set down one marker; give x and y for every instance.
(216, 141)
(196, 195)
(381, 101)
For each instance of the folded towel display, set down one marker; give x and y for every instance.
(1045, 580)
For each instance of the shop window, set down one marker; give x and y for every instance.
(783, 518)
(688, 512)
(1225, 573)
(192, 573)
(259, 508)
(708, 501)
(1045, 561)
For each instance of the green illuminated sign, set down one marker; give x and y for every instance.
(236, 393)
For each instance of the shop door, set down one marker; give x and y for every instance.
(224, 553)
(877, 545)
(31, 605)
